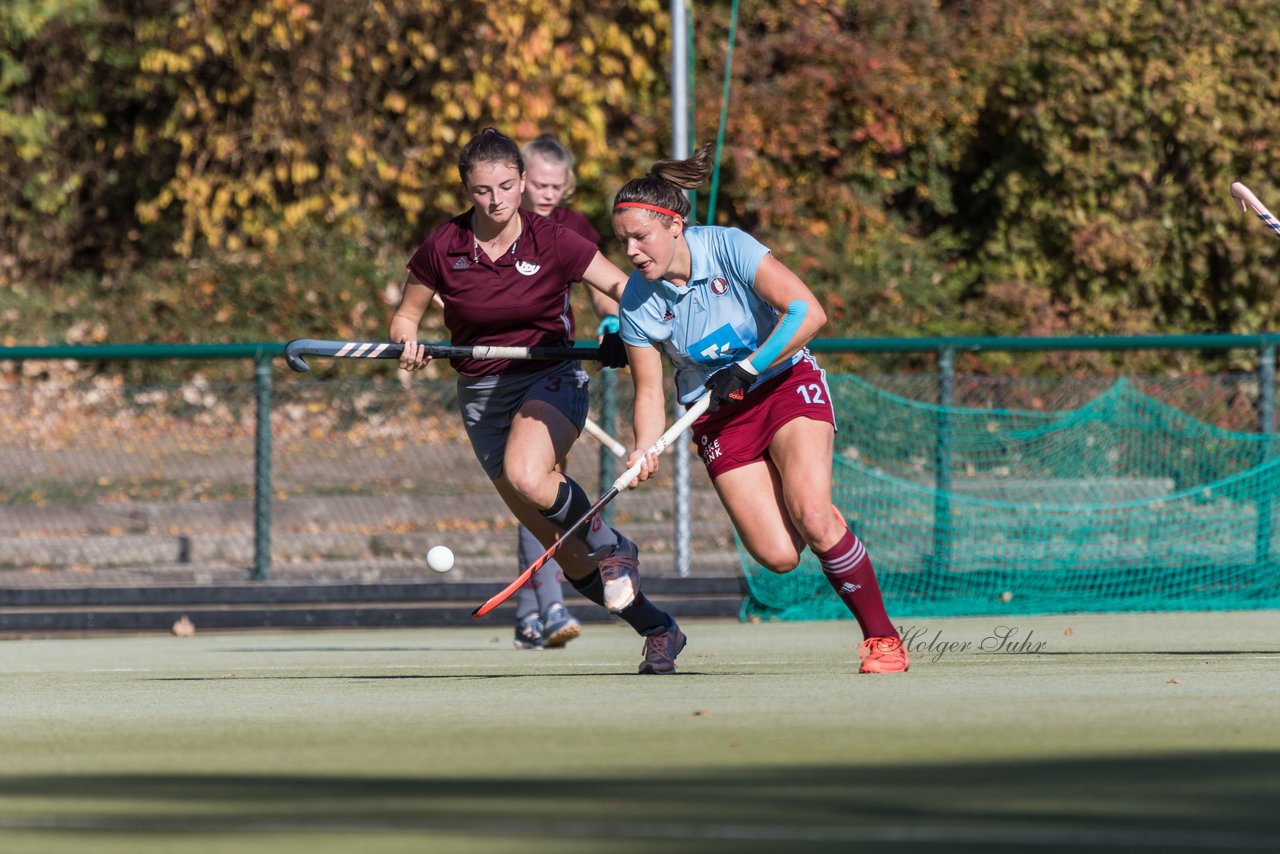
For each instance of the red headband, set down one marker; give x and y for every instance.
(643, 206)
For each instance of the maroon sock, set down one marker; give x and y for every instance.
(849, 570)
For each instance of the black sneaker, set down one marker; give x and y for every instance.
(660, 650)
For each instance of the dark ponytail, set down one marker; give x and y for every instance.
(666, 181)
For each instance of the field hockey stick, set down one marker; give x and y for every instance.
(616, 447)
(664, 441)
(299, 347)
(1249, 202)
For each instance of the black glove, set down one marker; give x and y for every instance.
(613, 353)
(729, 385)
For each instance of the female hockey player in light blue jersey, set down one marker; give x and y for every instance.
(735, 322)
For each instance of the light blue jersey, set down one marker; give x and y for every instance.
(714, 321)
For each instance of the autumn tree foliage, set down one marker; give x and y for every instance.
(847, 125)
(285, 134)
(1102, 160)
(344, 114)
(216, 169)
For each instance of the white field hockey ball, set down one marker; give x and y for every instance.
(440, 558)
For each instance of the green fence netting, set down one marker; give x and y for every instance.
(1124, 503)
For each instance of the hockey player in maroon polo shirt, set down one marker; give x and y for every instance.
(504, 275)
(542, 619)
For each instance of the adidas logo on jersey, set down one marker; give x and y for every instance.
(461, 264)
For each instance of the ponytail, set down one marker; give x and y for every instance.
(662, 189)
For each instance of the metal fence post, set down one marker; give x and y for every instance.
(1266, 426)
(1267, 388)
(681, 451)
(680, 144)
(942, 462)
(262, 469)
(608, 422)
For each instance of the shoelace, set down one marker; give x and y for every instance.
(655, 645)
(621, 556)
(878, 647)
(615, 564)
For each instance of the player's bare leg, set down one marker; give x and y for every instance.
(765, 528)
(601, 564)
(803, 450)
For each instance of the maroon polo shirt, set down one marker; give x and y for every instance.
(520, 300)
(576, 222)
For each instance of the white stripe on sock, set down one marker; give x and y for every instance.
(847, 562)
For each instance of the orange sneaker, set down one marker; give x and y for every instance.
(883, 655)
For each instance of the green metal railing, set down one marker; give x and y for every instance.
(263, 353)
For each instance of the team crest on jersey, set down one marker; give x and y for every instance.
(719, 286)
(461, 264)
(668, 316)
(527, 268)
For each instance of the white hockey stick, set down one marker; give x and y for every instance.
(614, 446)
(1249, 202)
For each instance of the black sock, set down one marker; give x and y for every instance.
(571, 504)
(645, 617)
(642, 615)
(592, 587)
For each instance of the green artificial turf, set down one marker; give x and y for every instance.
(1117, 732)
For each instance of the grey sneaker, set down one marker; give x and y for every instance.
(660, 650)
(529, 633)
(620, 571)
(559, 627)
